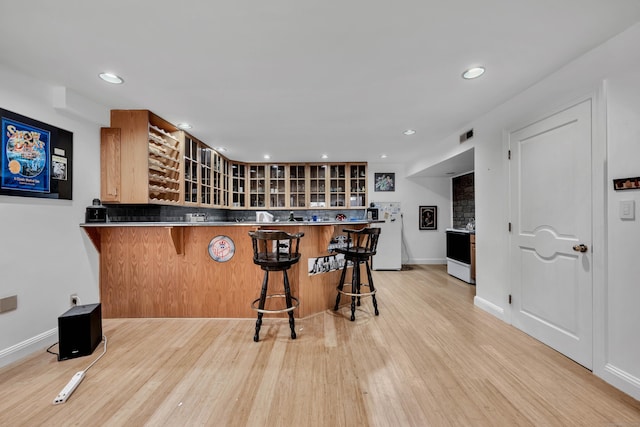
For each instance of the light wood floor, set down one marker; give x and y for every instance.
(430, 359)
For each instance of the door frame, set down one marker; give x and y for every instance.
(599, 199)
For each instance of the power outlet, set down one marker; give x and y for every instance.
(74, 300)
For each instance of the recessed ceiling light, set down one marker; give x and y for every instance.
(473, 73)
(267, 157)
(409, 132)
(111, 78)
(325, 156)
(221, 149)
(184, 126)
(383, 156)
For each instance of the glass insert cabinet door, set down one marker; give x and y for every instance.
(337, 186)
(238, 182)
(317, 186)
(257, 186)
(219, 185)
(191, 170)
(205, 175)
(358, 186)
(297, 186)
(277, 186)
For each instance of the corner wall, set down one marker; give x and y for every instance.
(616, 271)
(419, 246)
(44, 255)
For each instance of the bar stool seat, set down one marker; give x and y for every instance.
(361, 246)
(275, 250)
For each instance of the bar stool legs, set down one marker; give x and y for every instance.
(372, 289)
(263, 298)
(355, 291)
(340, 286)
(287, 294)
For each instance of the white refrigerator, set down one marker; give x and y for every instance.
(389, 253)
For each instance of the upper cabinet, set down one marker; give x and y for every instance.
(142, 159)
(145, 159)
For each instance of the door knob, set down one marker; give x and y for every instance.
(580, 248)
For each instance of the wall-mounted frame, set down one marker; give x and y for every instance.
(384, 181)
(36, 159)
(626, 184)
(428, 218)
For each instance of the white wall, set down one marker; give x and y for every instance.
(620, 352)
(616, 271)
(419, 246)
(44, 255)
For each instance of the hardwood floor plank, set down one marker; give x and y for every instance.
(430, 359)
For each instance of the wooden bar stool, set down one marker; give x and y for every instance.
(361, 246)
(275, 250)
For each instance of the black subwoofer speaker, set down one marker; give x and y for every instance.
(79, 331)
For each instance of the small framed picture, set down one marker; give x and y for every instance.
(384, 181)
(626, 184)
(428, 217)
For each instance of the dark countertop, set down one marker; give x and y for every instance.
(224, 223)
(461, 230)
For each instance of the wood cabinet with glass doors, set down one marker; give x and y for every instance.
(306, 186)
(145, 159)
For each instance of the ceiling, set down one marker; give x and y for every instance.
(300, 78)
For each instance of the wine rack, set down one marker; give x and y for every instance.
(164, 166)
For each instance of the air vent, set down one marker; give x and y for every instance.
(467, 135)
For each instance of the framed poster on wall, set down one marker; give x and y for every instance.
(35, 158)
(428, 217)
(385, 181)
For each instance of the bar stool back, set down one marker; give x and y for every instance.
(361, 246)
(275, 250)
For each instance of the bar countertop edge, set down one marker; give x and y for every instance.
(225, 223)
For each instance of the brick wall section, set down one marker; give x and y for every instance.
(464, 204)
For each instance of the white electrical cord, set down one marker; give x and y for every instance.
(77, 379)
(104, 351)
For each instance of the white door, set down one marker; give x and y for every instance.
(550, 178)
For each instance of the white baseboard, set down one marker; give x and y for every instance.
(419, 261)
(620, 379)
(28, 347)
(490, 308)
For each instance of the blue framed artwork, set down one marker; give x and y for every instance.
(35, 158)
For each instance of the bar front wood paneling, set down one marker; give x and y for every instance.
(166, 271)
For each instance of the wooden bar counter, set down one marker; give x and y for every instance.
(165, 270)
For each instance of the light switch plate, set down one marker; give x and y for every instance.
(628, 209)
